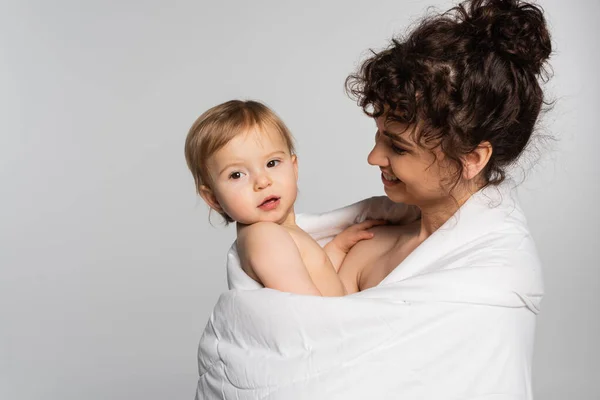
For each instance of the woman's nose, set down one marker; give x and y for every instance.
(377, 156)
(262, 182)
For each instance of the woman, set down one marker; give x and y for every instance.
(443, 307)
(455, 103)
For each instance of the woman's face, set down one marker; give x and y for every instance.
(410, 173)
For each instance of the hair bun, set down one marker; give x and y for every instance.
(514, 29)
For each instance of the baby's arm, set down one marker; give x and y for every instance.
(340, 245)
(271, 253)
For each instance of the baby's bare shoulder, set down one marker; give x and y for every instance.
(263, 238)
(260, 231)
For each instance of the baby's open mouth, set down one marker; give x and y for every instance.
(269, 200)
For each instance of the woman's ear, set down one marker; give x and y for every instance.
(475, 161)
(209, 197)
(295, 162)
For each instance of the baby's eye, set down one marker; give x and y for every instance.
(236, 175)
(273, 163)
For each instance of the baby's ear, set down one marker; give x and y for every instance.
(209, 197)
(295, 162)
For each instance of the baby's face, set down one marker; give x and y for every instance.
(254, 177)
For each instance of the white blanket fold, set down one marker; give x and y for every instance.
(455, 320)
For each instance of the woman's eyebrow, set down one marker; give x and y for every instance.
(397, 138)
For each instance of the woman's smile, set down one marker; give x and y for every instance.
(389, 180)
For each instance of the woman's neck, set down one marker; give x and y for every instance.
(434, 215)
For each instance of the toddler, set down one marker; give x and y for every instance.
(242, 158)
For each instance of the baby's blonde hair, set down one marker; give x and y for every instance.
(218, 126)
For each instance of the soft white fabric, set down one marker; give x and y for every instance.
(455, 320)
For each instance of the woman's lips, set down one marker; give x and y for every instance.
(269, 204)
(389, 183)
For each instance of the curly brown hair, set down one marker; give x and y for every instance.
(466, 76)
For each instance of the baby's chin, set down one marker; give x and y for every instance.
(276, 219)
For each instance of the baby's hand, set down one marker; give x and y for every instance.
(347, 238)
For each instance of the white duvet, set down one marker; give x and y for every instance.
(455, 320)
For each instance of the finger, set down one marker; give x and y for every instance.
(362, 235)
(370, 223)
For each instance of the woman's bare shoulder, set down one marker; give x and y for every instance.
(392, 234)
(373, 252)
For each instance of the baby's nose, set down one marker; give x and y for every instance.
(262, 182)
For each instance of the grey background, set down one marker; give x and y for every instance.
(109, 266)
